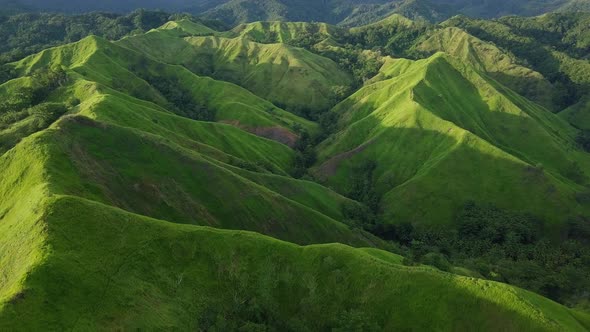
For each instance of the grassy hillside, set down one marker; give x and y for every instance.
(440, 134)
(291, 77)
(117, 270)
(170, 87)
(136, 172)
(188, 168)
(283, 32)
(578, 114)
(488, 58)
(555, 45)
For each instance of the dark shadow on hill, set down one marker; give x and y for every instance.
(423, 176)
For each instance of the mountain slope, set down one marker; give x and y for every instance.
(440, 134)
(489, 59)
(291, 77)
(162, 164)
(117, 270)
(555, 45)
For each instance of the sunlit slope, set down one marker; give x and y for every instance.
(189, 27)
(553, 44)
(287, 76)
(116, 270)
(127, 71)
(127, 149)
(441, 134)
(488, 58)
(149, 175)
(283, 32)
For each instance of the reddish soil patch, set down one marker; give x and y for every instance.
(276, 133)
(279, 134)
(329, 168)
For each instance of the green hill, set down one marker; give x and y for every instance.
(284, 32)
(117, 270)
(291, 77)
(185, 155)
(555, 45)
(108, 64)
(189, 26)
(441, 134)
(489, 59)
(168, 181)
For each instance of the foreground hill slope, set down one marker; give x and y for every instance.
(116, 270)
(440, 134)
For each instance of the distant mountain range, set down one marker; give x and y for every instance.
(347, 12)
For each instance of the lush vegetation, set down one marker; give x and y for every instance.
(554, 45)
(30, 33)
(504, 246)
(135, 173)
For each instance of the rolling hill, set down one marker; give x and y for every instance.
(187, 178)
(294, 78)
(190, 153)
(437, 119)
(117, 270)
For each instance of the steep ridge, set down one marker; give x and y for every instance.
(300, 81)
(555, 45)
(135, 154)
(441, 134)
(490, 59)
(127, 71)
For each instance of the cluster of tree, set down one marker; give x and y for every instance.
(583, 140)
(26, 34)
(362, 66)
(181, 100)
(17, 104)
(395, 40)
(306, 154)
(505, 246)
(25, 110)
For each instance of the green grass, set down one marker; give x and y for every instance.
(115, 270)
(121, 69)
(106, 214)
(190, 27)
(282, 32)
(489, 59)
(578, 114)
(154, 162)
(442, 134)
(282, 74)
